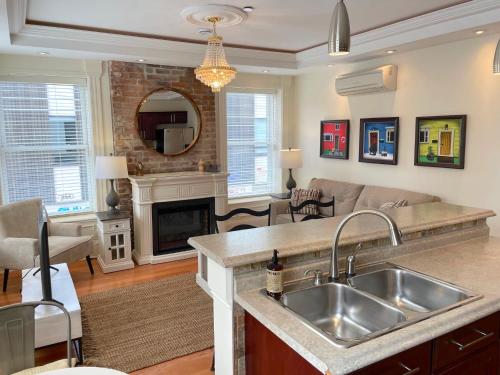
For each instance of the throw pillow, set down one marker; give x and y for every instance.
(396, 204)
(301, 195)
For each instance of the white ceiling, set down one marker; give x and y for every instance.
(280, 36)
(278, 24)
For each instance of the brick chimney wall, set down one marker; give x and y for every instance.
(130, 84)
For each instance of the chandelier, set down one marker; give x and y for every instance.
(215, 70)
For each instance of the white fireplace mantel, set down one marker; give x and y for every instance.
(169, 187)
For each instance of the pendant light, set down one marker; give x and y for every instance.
(215, 70)
(339, 39)
(496, 61)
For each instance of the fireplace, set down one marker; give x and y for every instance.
(174, 222)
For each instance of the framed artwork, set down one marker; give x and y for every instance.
(378, 140)
(440, 141)
(334, 142)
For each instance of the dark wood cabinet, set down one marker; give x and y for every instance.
(460, 343)
(148, 121)
(265, 353)
(481, 362)
(473, 350)
(416, 360)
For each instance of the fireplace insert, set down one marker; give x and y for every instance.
(175, 222)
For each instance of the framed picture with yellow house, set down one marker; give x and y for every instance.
(440, 141)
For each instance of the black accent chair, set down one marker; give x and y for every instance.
(246, 211)
(311, 202)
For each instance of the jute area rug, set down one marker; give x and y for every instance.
(139, 326)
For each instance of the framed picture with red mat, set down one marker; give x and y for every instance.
(334, 141)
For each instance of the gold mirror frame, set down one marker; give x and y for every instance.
(196, 109)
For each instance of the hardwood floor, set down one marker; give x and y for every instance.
(85, 283)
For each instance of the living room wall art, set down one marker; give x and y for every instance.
(440, 141)
(334, 141)
(378, 140)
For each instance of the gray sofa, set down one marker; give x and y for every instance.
(348, 198)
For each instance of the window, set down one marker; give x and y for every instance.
(328, 137)
(337, 126)
(45, 145)
(389, 135)
(424, 136)
(251, 143)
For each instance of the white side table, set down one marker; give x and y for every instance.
(114, 236)
(50, 324)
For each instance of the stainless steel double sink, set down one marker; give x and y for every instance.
(378, 299)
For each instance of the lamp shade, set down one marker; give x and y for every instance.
(111, 167)
(339, 38)
(291, 158)
(496, 61)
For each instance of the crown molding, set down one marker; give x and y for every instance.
(432, 28)
(410, 32)
(124, 47)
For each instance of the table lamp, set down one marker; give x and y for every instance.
(111, 168)
(291, 159)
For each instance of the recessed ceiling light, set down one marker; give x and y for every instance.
(479, 32)
(391, 51)
(204, 31)
(248, 9)
(43, 53)
(140, 60)
(265, 71)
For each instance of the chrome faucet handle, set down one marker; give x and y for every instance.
(350, 269)
(318, 276)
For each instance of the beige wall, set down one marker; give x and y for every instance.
(454, 78)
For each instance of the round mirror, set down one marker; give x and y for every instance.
(168, 122)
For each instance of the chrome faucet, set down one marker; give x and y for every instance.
(395, 236)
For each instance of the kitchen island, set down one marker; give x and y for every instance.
(445, 241)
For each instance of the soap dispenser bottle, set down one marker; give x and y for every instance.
(274, 285)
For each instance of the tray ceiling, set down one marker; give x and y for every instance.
(295, 27)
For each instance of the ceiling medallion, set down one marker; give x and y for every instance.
(228, 15)
(215, 70)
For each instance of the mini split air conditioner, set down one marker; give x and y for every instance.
(370, 81)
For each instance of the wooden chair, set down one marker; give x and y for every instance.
(296, 209)
(246, 211)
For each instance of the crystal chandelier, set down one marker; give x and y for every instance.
(215, 71)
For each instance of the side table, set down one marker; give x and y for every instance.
(50, 323)
(114, 237)
(285, 195)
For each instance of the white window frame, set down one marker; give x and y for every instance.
(80, 81)
(387, 131)
(426, 131)
(222, 139)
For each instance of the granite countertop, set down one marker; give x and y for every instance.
(233, 249)
(474, 265)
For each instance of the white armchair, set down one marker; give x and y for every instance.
(19, 233)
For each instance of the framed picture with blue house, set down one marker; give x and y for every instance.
(378, 140)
